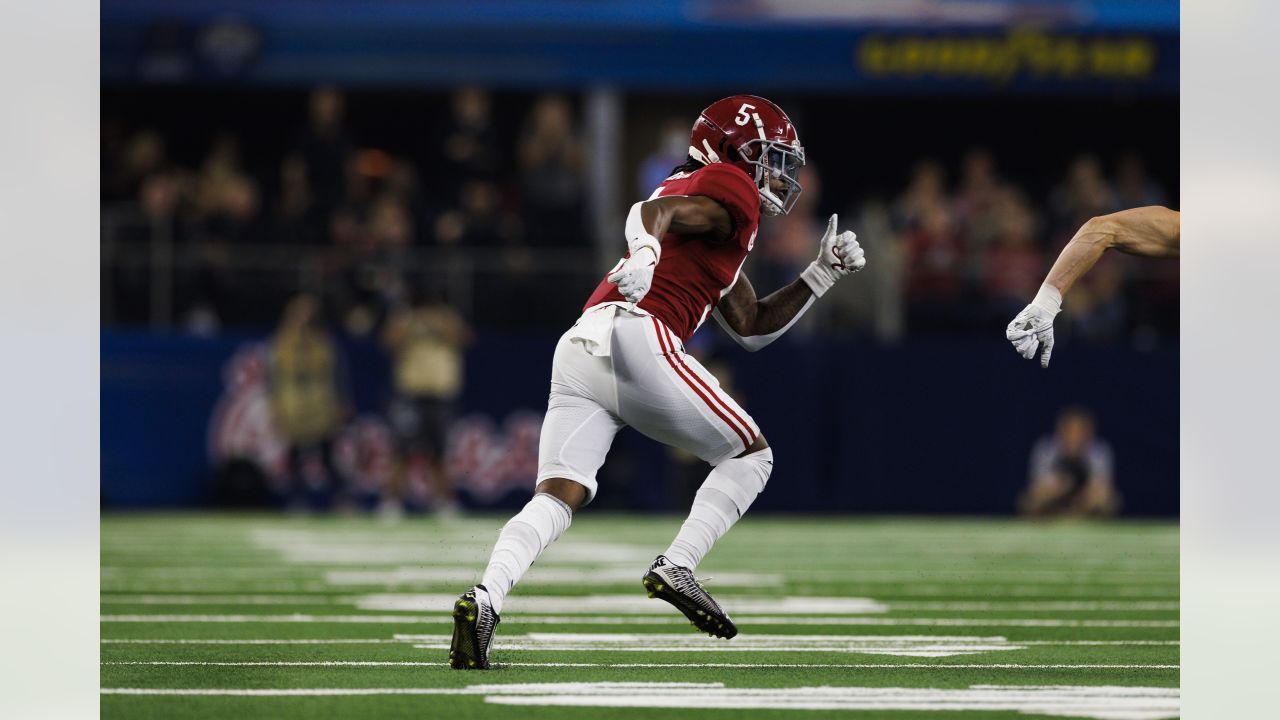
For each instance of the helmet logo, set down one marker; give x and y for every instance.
(743, 116)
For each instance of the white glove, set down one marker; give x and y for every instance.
(1034, 325)
(634, 275)
(838, 255)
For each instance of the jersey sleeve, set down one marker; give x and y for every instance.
(730, 187)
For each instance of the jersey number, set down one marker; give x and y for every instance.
(743, 116)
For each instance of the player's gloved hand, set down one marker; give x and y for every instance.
(838, 255)
(634, 275)
(1034, 325)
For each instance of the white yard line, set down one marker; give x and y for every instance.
(644, 620)
(409, 663)
(1097, 702)
(407, 639)
(638, 604)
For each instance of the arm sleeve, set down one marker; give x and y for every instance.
(730, 187)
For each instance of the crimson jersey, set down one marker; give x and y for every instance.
(693, 273)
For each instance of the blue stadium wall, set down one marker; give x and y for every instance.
(926, 426)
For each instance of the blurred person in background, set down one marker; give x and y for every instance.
(925, 192)
(1083, 194)
(1071, 471)
(470, 149)
(673, 146)
(935, 264)
(1134, 188)
(1013, 262)
(307, 401)
(1098, 311)
(977, 198)
(551, 171)
(427, 341)
(325, 148)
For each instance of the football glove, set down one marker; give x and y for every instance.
(1033, 326)
(633, 275)
(838, 255)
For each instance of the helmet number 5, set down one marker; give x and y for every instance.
(743, 116)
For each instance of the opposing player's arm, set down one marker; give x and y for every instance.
(754, 323)
(1149, 231)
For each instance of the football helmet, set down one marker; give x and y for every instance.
(757, 136)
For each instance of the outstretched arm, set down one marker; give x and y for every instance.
(1149, 231)
(754, 323)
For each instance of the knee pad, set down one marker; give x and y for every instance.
(742, 478)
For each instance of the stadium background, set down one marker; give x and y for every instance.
(898, 394)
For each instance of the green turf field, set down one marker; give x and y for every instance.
(208, 616)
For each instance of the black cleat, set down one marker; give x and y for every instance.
(677, 586)
(473, 624)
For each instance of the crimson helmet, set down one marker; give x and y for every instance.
(755, 135)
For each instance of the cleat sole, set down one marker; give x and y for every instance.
(462, 651)
(697, 617)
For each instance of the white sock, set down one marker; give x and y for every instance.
(727, 493)
(521, 541)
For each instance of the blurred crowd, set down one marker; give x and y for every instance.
(347, 221)
(483, 217)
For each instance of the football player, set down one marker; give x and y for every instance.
(1149, 231)
(624, 362)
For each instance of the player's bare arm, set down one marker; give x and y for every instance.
(748, 316)
(1147, 231)
(1151, 231)
(693, 216)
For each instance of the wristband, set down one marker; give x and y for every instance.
(818, 278)
(1048, 299)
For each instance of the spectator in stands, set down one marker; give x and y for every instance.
(1014, 264)
(426, 341)
(1098, 311)
(1134, 188)
(325, 149)
(551, 170)
(307, 400)
(1083, 194)
(975, 203)
(1071, 471)
(925, 194)
(470, 149)
(935, 267)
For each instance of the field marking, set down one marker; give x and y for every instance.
(1096, 702)
(419, 663)
(645, 620)
(895, 645)
(631, 604)
(1043, 605)
(407, 639)
(541, 575)
(251, 641)
(637, 604)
